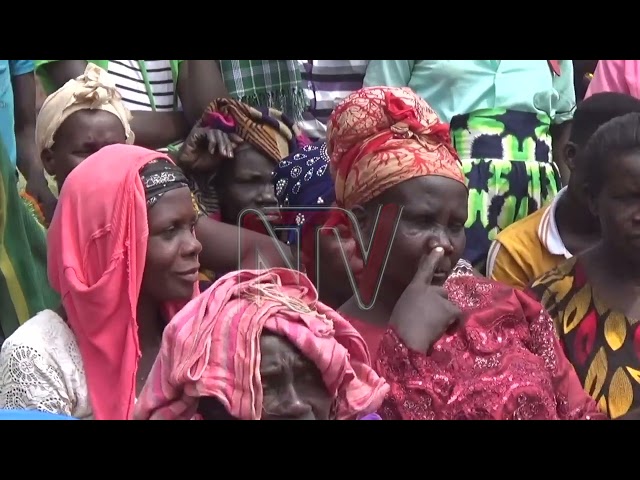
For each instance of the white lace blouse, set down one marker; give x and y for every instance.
(41, 369)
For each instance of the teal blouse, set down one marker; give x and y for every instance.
(456, 87)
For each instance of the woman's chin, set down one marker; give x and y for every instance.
(181, 291)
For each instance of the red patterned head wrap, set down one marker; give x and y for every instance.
(379, 137)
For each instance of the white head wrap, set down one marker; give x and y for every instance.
(93, 90)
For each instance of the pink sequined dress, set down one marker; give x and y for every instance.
(505, 363)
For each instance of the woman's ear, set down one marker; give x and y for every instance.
(569, 153)
(48, 161)
(364, 222)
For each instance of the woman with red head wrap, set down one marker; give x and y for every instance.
(450, 344)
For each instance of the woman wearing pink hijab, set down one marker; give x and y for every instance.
(258, 345)
(123, 256)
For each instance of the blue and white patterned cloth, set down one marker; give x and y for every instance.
(303, 179)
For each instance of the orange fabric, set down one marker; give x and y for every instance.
(518, 256)
(267, 131)
(379, 137)
(97, 245)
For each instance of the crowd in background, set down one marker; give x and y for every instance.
(320, 239)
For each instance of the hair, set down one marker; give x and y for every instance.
(597, 110)
(615, 138)
(580, 69)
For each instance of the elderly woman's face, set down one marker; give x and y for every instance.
(434, 214)
(246, 181)
(292, 386)
(82, 134)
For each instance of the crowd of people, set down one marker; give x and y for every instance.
(319, 239)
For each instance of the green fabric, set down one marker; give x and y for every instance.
(24, 289)
(506, 158)
(266, 83)
(104, 64)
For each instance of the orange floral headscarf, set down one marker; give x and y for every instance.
(379, 137)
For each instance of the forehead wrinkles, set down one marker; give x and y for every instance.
(279, 350)
(97, 125)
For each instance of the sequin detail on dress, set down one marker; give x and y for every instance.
(505, 363)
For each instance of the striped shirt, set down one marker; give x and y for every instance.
(326, 83)
(130, 83)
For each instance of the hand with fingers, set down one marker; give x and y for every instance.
(204, 148)
(423, 312)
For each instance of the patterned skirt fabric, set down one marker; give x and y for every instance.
(506, 157)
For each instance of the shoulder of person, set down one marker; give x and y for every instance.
(41, 368)
(40, 329)
(553, 279)
(523, 234)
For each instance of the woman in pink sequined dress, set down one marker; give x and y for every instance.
(451, 345)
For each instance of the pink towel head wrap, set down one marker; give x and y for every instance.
(211, 348)
(97, 246)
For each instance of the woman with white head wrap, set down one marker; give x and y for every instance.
(80, 118)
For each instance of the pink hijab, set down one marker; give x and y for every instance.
(212, 348)
(97, 245)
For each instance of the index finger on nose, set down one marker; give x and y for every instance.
(427, 266)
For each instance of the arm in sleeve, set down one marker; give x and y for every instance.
(21, 67)
(503, 267)
(409, 375)
(388, 73)
(411, 378)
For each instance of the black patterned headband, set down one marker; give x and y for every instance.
(159, 177)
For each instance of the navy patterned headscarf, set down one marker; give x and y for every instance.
(303, 179)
